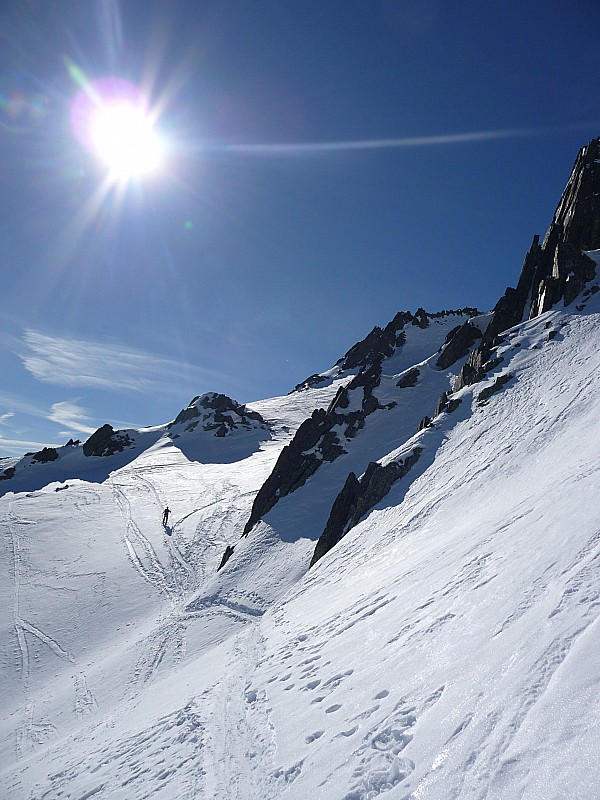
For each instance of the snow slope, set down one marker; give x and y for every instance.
(447, 647)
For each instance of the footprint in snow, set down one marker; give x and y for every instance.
(313, 736)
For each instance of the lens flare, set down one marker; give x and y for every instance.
(23, 104)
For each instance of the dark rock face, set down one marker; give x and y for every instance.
(486, 393)
(446, 404)
(315, 440)
(378, 344)
(425, 423)
(421, 318)
(226, 556)
(458, 343)
(578, 213)
(357, 497)
(554, 270)
(218, 413)
(45, 455)
(105, 441)
(557, 269)
(7, 474)
(381, 343)
(295, 464)
(409, 379)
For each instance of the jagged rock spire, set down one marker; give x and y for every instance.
(577, 215)
(557, 269)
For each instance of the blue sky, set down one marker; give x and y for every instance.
(246, 264)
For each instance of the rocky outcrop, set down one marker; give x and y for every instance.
(554, 271)
(381, 343)
(485, 394)
(226, 556)
(409, 379)
(106, 441)
(322, 437)
(577, 215)
(557, 269)
(218, 413)
(357, 497)
(45, 455)
(316, 440)
(446, 404)
(458, 343)
(7, 474)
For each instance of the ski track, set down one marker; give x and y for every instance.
(240, 746)
(153, 572)
(359, 693)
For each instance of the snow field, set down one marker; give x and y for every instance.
(445, 648)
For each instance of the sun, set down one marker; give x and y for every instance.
(123, 137)
(114, 121)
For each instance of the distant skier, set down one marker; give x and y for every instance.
(166, 513)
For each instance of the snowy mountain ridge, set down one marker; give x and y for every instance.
(441, 479)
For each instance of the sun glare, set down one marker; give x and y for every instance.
(123, 138)
(111, 117)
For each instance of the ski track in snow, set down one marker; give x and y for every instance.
(420, 659)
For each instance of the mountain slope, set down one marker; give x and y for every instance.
(446, 647)
(476, 594)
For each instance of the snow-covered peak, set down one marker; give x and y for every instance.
(217, 413)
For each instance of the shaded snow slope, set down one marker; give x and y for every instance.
(446, 648)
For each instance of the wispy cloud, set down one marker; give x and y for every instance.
(16, 447)
(77, 362)
(5, 417)
(71, 416)
(18, 404)
(394, 142)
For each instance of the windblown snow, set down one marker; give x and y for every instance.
(447, 647)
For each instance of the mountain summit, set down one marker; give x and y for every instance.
(385, 583)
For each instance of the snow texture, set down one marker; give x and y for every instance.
(448, 647)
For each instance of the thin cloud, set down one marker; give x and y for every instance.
(4, 417)
(72, 416)
(395, 142)
(16, 447)
(18, 405)
(76, 362)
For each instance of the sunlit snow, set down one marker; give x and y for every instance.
(447, 647)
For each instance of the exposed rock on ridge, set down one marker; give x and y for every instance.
(105, 441)
(359, 496)
(381, 343)
(316, 440)
(555, 270)
(321, 437)
(218, 413)
(458, 343)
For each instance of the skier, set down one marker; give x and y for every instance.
(166, 513)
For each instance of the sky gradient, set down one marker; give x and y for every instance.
(328, 164)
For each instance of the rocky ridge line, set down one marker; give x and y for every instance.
(320, 438)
